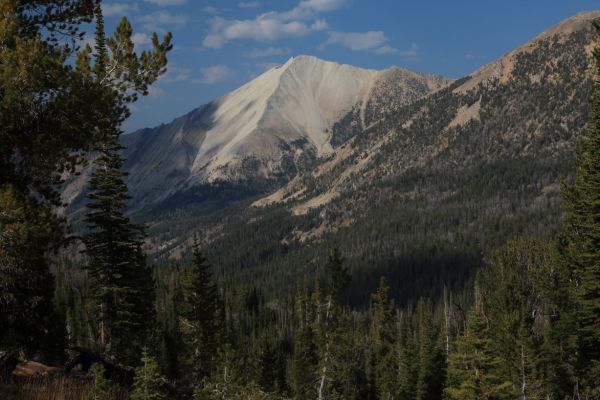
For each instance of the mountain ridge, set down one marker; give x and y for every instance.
(264, 132)
(498, 72)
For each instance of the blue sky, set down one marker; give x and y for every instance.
(219, 45)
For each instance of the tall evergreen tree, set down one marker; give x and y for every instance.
(171, 346)
(48, 117)
(407, 360)
(148, 382)
(102, 388)
(580, 242)
(122, 281)
(338, 279)
(383, 341)
(472, 369)
(202, 319)
(48, 111)
(305, 360)
(29, 321)
(432, 368)
(519, 312)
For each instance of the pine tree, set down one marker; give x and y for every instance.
(407, 360)
(51, 117)
(102, 388)
(331, 318)
(305, 364)
(47, 118)
(472, 369)
(170, 336)
(28, 317)
(122, 281)
(305, 360)
(580, 241)
(432, 371)
(148, 382)
(201, 312)
(516, 287)
(383, 343)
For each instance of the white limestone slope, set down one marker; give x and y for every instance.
(266, 130)
(300, 100)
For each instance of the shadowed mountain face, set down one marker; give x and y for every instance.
(263, 134)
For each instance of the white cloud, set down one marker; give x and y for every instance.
(167, 2)
(118, 9)
(211, 10)
(307, 9)
(412, 52)
(249, 4)
(214, 74)
(159, 19)
(322, 5)
(386, 49)
(358, 41)
(268, 52)
(176, 74)
(319, 25)
(372, 41)
(155, 92)
(260, 29)
(271, 26)
(141, 39)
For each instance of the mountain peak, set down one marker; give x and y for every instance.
(309, 60)
(267, 130)
(304, 58)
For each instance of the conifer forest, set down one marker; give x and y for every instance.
(469, 272)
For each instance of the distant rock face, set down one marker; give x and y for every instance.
(265, 131)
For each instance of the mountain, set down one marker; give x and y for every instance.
(532, 102)
(412, 176)
(262, 134)
(421, 191)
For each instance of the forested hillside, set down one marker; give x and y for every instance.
(423, 193)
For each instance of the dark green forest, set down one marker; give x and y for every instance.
(419, 299)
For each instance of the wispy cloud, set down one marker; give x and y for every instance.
(141, 39)
(159, 20)
(176, 74)
(271, 26)
(374, 41)
(265, 30)
(155, 92)
(119, 9)
(214, 74)
(322, 5)
(249, 4)
(211, 10)
(411, 53)
(386, 49)
(268, 52)
(164, 3)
